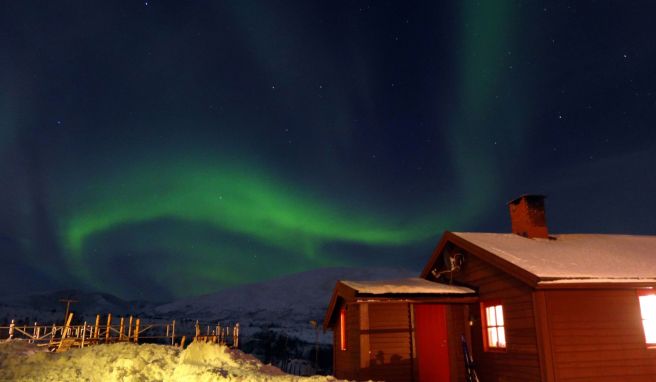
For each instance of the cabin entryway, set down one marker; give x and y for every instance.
(431, 343)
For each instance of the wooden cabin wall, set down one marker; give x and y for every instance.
(597, 335)
(456, 325)
(346, 363)
(520, 361)
(390, 348)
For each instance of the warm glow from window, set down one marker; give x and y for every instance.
(494, 327)
(342, 329)
(648, 312)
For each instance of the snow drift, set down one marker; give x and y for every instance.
(20, 361)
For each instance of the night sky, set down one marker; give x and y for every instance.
(164, 149)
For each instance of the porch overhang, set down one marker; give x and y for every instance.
(411, 290)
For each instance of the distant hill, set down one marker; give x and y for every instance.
(285, 304)
(46, 308)
(298, 293)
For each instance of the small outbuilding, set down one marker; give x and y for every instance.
(529, 305)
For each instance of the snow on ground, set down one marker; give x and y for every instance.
(204, 362)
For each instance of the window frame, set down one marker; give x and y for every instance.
(641, 293)
(484, 327)
(342, 329)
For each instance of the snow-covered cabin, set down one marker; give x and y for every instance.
(531, 307)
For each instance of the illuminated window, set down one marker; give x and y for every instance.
(494, 331)
(342, 329)
(648, 313)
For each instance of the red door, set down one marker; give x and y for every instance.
(431, 343)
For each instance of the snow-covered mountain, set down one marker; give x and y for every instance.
(46, 307)
(286, 304)
(305, 293)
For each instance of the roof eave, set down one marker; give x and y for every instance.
(460, 299)
(340, 290)
(593, 284)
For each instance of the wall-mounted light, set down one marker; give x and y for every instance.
(472, 320)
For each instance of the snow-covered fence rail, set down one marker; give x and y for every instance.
(62, 337)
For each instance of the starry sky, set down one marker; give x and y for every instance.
(162, 149)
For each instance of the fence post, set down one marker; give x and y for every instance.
(197, 329)
(120, 332)
(96, 329)
(109, 323)
(52, 333)
(33, 333)
(235, 336)
(130, 329)
(136, 331)
(84, 334)
(182, 342)
(173, 333)
(11, 329)
(65, 331)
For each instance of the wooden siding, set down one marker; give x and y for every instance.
(520, 361)
(390, 349)
(597, 335)
(456, 326)
(346, 363)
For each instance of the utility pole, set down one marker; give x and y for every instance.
(68, 302)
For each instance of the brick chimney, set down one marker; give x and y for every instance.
(527, 216)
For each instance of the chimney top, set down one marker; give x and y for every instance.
(527, 216)
(531, 197)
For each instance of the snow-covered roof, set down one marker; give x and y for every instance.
(413, 285)
(597, 280)
(627, 258)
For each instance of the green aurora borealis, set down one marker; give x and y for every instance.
(246, 200)
(169, 149)
(239, 201)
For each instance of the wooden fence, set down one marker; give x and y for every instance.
(63, 337)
